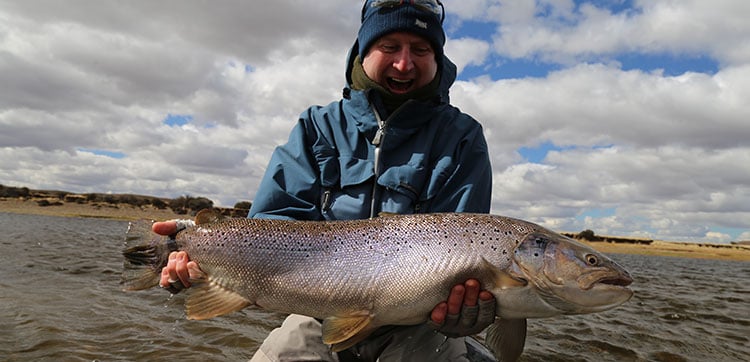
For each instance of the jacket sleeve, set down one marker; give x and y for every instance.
(469, 187)
(290, 186)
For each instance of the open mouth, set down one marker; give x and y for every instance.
(622, 281)
(607, 279)
(399, 85)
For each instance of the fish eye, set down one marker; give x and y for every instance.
(592, 259)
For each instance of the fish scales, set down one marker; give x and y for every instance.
(362, 274)
(371, 264)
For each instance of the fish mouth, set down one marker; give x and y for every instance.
(604, 279)
(601, 290)
(622, 280)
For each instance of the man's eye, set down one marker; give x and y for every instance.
(421, 51)
(389, 48)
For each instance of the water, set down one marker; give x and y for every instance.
(60, 300)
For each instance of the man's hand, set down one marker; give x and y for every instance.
(179, 270)
(165, 227)
(468, 311)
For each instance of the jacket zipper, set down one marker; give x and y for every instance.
(376, 141)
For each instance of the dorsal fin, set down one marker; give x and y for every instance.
(208, 216)
(387, 214)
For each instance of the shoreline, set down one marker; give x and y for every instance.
(725, 252)
(98, 210)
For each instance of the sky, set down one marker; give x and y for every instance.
(625, 117)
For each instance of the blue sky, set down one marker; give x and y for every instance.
(177, 119)
(623, 117)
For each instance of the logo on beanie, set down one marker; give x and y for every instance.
(421, 24)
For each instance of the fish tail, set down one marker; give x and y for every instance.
(146, 253)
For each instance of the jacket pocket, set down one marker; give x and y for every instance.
(402, 188)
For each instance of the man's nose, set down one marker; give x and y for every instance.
(403, 61)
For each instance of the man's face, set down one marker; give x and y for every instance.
(400, 62)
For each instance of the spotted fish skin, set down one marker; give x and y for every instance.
(324, 268)
(392, 270)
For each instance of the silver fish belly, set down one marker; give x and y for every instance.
(361, 274)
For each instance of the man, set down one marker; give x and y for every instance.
(393, 144)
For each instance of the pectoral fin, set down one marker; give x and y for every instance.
(506, 338)
(504, 280)
(209, 299)
(344, 332)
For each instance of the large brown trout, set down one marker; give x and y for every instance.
(392, 270)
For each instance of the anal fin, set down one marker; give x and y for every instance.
(208, 299)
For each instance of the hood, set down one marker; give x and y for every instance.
(446, 69)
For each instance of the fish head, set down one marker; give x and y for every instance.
(568, 276)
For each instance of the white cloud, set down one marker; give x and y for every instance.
(467, 51)
(600, 105)
(664, 153)
(676, 192)
(561, 32)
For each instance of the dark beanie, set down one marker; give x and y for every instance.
(378, 21)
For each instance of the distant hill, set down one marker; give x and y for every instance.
(187, 205)
(589, 235)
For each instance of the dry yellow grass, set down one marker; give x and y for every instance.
(677, 249)
(103, 210)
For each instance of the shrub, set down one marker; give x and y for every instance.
(244, 205)
(586, 235)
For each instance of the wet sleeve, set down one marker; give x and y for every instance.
(469, 187)
(290, 187)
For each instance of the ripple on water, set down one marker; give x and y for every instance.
(663, 356)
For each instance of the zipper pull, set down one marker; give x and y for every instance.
(381, 127)
(378, 137)
(325, 200)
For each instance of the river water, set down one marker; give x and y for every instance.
(60, 300)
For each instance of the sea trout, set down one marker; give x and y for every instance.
(392, 270)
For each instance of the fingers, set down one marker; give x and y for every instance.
(165, 227)
(467, 311)
(438, 313)
(181, 268)
(487, 312)
(472, 292)
(456, 299)
(464, 295)
(171, 227)
(485, 296)
(176, 275)
(453, 305)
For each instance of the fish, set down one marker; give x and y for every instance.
(359, 275)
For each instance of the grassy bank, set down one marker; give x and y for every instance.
(677, 249)
(94, 210)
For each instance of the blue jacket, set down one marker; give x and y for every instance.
(432, 158)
